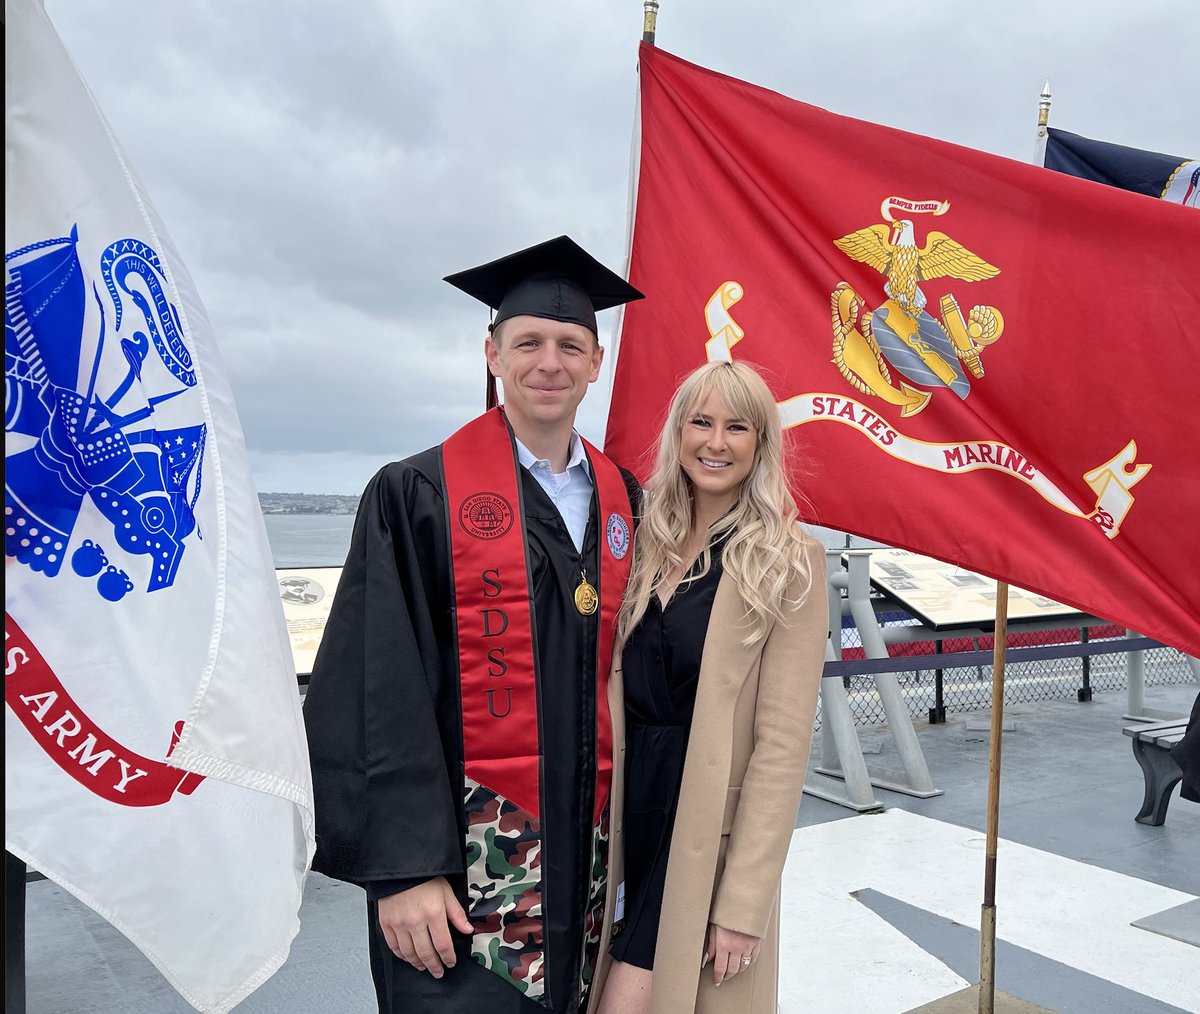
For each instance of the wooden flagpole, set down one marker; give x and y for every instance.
(987, 922)
(987, 917)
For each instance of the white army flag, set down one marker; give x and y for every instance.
(155, 758)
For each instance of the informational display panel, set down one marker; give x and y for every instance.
(307, 596)
(941, 595)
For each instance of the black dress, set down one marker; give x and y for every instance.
(661, 664)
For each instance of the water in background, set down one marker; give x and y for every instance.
(309, 540)
(321, 540)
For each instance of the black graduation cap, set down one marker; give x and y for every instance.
(558, 280)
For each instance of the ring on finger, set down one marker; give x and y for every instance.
(746, 959)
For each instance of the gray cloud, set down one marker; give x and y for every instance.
(321, 166)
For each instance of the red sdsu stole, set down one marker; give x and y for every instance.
(499, 685)
(494, 619)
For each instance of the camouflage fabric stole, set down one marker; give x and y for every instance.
(593, 917)
(498, 686)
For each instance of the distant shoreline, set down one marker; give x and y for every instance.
(307, 503)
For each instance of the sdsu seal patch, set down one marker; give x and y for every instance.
(618, 536)
(486, 515)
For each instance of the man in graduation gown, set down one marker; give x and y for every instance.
(457, 715)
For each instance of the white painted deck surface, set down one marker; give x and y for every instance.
(842, 957)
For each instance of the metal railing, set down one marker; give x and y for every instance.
(949, 675)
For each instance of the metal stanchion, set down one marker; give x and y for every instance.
(1085, 692)
(14, 935)
(937, 714)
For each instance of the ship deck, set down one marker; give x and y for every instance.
(880, 912)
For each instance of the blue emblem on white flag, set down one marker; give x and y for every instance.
(122, 448)
(80, 416)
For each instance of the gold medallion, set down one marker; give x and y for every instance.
(586, 599)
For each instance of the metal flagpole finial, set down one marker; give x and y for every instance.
(1039, 142)
(1044, 110)
(651, 19)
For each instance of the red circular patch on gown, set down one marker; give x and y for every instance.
(486, 515)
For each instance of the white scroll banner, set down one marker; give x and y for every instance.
(1111, 481)
(724, 329)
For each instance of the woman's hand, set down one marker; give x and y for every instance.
(730, 952)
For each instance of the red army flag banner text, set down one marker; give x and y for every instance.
(974, 358)
(155, 759)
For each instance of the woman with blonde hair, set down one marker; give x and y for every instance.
(722, 638)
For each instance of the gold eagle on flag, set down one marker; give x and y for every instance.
(893, 252)
(900, 335)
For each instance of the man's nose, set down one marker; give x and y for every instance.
(549, 359)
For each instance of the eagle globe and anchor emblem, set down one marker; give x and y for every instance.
(902, 354)
(80, 416)
(901, 334)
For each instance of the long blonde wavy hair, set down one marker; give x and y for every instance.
(766, 551)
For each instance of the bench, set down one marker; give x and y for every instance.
(1152, 742)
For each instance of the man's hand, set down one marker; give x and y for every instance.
(730, 952)
(416, 925)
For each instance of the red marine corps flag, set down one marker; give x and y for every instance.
(974, 359)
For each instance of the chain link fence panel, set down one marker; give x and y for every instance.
(969, 688)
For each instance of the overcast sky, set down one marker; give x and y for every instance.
(322, 165)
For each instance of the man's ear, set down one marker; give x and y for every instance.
(597, 360)
(492, 352)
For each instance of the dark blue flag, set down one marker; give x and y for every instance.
(1144, 172)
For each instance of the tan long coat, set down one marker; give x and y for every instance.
(742, 781)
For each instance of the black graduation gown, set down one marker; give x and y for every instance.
(384, 729)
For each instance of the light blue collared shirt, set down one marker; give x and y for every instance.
(570, 491)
